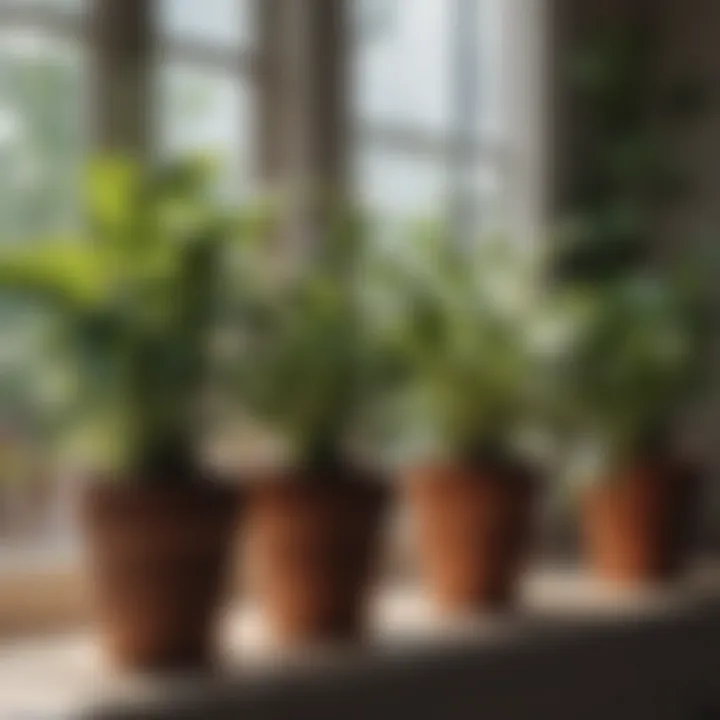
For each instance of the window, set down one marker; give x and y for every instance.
(435, 90)
(414, 144)
(406, 184)
(230, 23)
(42, 130)
(43, 113)
(207, 110)
(204, 82)
(404, 64)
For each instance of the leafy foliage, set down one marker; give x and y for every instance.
(133, 305)
(641, 340)
(308, 355)
(641, 350)
(472, 336)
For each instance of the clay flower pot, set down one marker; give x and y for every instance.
(638, 525)
(313, 544)
(159, 558)
(474, 525)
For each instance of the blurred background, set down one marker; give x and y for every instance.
(459, 109)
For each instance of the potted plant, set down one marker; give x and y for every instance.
(314, 516)
(468, 326)
(638, 358)
(132, 309)
(642, 332)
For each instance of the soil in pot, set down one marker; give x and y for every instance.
(160, 558)
(313, 544)
(474, 526)
(638, 525)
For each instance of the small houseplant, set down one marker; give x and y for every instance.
(639, 357)
(315, 513)
(467, 327)
(643, 332)
(132, 307)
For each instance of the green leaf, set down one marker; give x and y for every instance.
(113, 187)
(68, 272)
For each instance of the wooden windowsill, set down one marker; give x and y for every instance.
(66, 673)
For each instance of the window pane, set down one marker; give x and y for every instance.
(492, 72)
(42, 133)
(406, 68)
(42, 147)
(401, 187)
(486, 192)
(229, 22)
(402, 70)
(204, 111)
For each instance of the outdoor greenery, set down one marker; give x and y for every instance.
(629, 168)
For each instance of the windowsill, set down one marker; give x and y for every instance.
(562, 610)
(42, 590)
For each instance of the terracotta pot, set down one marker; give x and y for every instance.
(313, 544)
(638, 525)
(159, 559)
(474, 526)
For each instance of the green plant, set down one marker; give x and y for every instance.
(308, 357)
(472, 334)
(640, 353)
(641, 333)
(133, 306)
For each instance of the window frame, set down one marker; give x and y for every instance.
(520, 157)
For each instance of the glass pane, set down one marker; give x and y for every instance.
(396, 187)
(208, 112)
(492, 72)
(401, 187)
(42, 148)
(229, 22)
(42, 133)
(488, 199)
(406, 65)
(402, 69)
